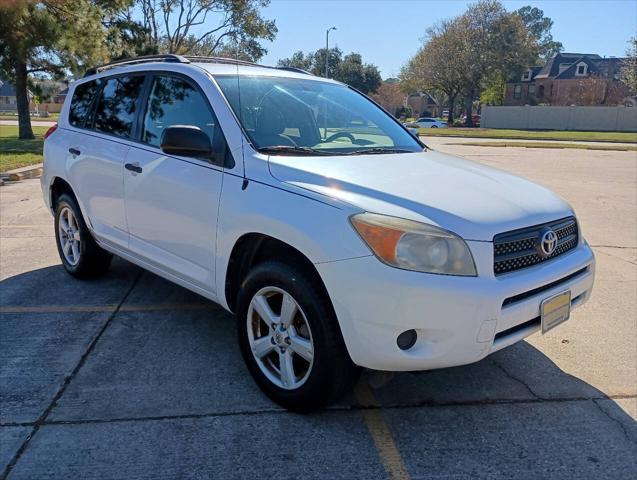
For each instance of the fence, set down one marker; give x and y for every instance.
(593, 119)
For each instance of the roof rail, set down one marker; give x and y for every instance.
(169, 57)
(231, 61)
(294, 69)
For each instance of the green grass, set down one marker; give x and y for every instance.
(15, 153)
(53, 117)
(581, 146)
(623, 137)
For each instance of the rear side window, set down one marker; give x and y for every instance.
(81, 103)
(117, 104)
(173, 101)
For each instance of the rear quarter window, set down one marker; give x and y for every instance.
(81, 103)
(117, 105)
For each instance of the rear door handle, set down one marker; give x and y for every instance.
(133, 168)
(74, 151)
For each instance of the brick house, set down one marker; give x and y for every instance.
(570, 79)
(423, 105)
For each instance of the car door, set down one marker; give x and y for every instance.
(99, 148)
(171, 201)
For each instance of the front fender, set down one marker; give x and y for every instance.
(319, 230)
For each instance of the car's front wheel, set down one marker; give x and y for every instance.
(290, 339)
(80, 255)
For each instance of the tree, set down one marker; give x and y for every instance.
(234, 27)
(297, 60)
(439, 64)
(334, 59)
(50, 36)
(493, 91)
(628, 72)
(540, 27)
(496, 42)
(363, 77)
(348, 69)
(390, 97)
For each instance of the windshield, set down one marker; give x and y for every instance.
(312, 117)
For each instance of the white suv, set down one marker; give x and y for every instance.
(336, 237)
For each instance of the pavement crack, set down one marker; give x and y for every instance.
(618, 258)
(621, 425)
(42, 420)
(516, 379)
(334, 409)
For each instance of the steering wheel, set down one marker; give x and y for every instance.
(347, 135)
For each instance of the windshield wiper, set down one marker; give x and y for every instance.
(291, 149)
(379, 150)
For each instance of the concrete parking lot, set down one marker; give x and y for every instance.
(130, 376)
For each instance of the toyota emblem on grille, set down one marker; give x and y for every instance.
(547, 242)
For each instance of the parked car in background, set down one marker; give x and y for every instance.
(475, 118)
(427, 122)
(335, 237)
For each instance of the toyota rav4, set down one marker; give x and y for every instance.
(334, 235)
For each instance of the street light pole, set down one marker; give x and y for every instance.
(327, 49)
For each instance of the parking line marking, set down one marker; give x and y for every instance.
(104, 308)
(379, 430)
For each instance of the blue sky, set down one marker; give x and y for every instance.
(387, 32)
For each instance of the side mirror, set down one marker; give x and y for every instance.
(186, 141)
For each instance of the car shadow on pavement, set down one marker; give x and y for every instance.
(168, 353)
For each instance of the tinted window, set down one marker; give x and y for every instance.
(173, 101)
(116, 106)
(81, 103)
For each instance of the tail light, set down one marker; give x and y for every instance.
(50, 131)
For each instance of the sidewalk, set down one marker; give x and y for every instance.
(34, 123)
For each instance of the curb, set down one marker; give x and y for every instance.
(23, 173)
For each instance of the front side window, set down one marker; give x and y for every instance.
(173, 101)
(311, 116)
(517, 91)
(116, 106)
(81, 103)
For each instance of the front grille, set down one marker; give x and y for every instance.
(519, 248)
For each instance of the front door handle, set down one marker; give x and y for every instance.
(74, 151)
(133, 168)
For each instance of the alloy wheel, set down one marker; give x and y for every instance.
(280, 338)
(69, 235)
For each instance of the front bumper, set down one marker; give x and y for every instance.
(459, 320)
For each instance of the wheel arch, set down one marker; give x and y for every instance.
(57, 187)
(253, 248)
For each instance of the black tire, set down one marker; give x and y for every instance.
(332, 373)
(93, 260)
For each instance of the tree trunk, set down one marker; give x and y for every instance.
(469, 110)
(452, 101)
(22, 97)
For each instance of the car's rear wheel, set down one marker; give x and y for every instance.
(80, 255)
(290, 339)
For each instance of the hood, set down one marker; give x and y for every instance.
(467, 198)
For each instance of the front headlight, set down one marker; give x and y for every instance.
(414, 246)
